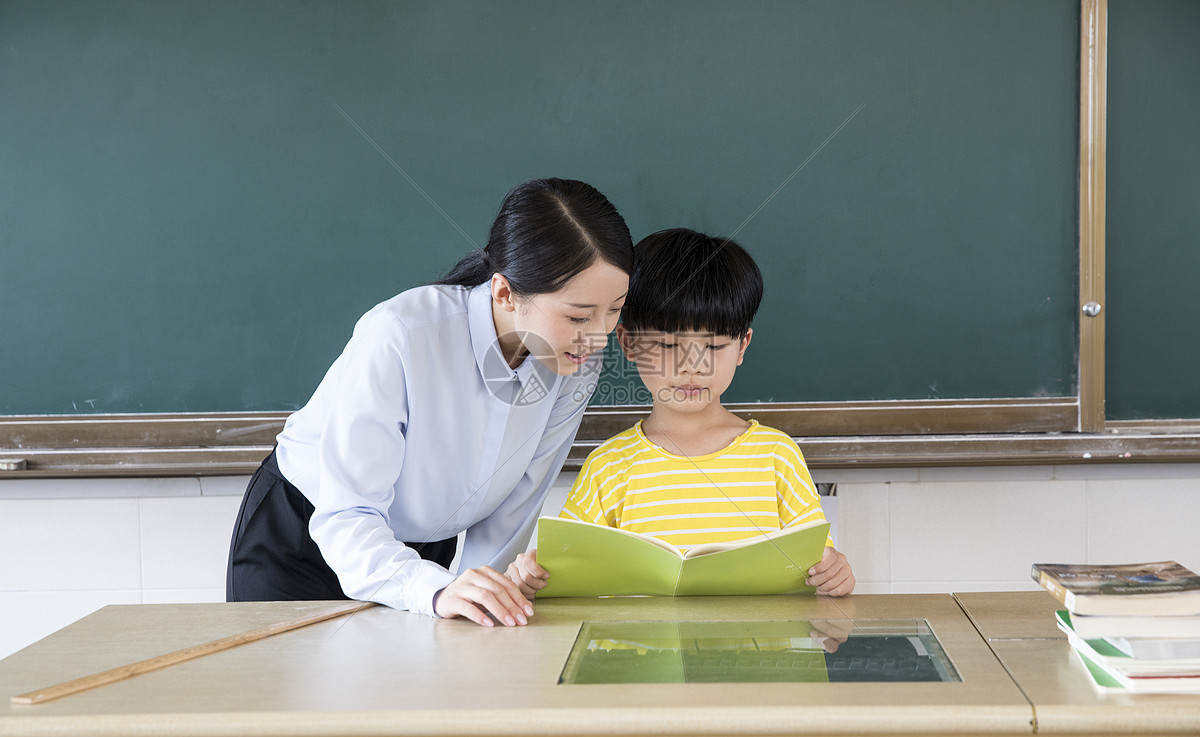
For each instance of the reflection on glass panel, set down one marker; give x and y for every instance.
(825, 651)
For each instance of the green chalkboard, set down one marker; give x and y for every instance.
(198, 199)
(1153, 243)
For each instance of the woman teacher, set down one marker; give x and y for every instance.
(451, 409)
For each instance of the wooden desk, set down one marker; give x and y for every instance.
(1020, 629)
(383, 672)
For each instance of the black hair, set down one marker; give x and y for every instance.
(684, 281)
(547, 231)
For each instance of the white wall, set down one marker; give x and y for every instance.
(71, 546)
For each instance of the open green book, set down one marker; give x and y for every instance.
(585, 559)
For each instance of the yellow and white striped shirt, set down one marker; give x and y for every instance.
(757, 483)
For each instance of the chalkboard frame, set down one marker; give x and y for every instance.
(835, 434)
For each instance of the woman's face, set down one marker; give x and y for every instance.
(562, 329)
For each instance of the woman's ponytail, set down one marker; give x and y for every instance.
(547, 231)
(471, 271)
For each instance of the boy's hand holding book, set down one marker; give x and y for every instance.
(525, 572)
(831, 575)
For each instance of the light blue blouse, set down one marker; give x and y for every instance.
(419, 431)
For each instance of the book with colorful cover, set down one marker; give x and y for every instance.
(1106, 680)
(1099, 678)
(1160, 588)
(586, 559)
(1106, 655)
(1112, 671)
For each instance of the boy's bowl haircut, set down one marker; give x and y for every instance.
(685, 281)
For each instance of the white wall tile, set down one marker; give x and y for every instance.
(185, 542)
(1134, 521)
(224, 485)
(97, 488)
(986, 473)
(1127, 470)
(830, 507)
(863, 475)
(864, 530)
(29, 616)
(984, 531)
(69, 544)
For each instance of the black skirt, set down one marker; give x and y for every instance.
(273, 558)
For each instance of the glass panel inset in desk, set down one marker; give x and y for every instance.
(874, 650)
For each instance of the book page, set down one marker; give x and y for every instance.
(629, 533)
(709, 548)
(650, 539)
(777, 564)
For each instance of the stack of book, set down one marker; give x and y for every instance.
(1135, 627)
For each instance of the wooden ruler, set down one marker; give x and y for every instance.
(188, 653)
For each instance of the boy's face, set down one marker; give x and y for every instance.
(684, 372)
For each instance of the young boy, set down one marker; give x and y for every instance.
(693, 472)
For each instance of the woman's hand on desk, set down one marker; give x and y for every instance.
(831, 575)
(478, 592)
(527, 574)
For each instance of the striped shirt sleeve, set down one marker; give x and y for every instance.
(583, 503)
(797, 494)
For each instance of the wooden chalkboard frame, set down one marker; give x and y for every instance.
(227, 444)
(835, 434)
(1093, 101)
